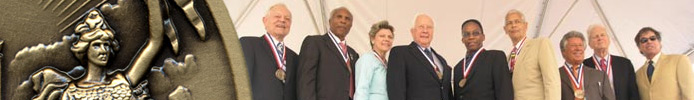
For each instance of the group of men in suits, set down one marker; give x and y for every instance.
(323, 71)
(325, 68)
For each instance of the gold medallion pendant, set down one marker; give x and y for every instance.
(280, 75)
(462, 83)
(579, 94)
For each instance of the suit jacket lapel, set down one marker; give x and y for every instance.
(331, 45)
(475, 65)
(414, 49)
(267, 50)
(644, 73)
(566, 80)
(658, 67)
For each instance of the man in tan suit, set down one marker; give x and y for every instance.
(531, 62)
(580, 82)
(663, 76)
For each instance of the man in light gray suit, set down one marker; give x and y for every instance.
(581, 82)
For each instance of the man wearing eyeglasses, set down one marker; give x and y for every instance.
(663, 76)
(531, 62)
(475, 77)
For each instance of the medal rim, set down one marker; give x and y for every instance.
(579, 93)
(280, 74)
(462, 83)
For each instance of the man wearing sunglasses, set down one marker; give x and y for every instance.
(663, 76)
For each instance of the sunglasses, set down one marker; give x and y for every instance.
(644, 40)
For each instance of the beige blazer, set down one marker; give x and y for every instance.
(672, 79)
(535, 75)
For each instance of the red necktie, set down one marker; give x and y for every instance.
(512, 61)
(349, 67)
(603, 65)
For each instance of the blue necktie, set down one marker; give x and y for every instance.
(467, 61)
(651, 68)
(280, 51)
(428, 55)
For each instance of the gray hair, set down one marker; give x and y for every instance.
(567, 36)
(378, 26)
(414, 20)
(592, 27)
(515, 11)
(332, 13)
(275, 7)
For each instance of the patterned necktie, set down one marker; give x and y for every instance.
(512, 60)
(280, 51)
(603, 65)
(575, 71)
(467, 62)
(343, 46)
(651, 68)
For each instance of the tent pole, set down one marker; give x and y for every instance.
(541, 20)
(245, 12)
(313, 17)
(603, 17)
(562, 18)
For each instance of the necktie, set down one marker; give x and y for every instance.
(431, 58)
(280, 51)
(575, 71)
(343, 46)
(467, 61)
(651, 68)
(512, 60)
(603, 65)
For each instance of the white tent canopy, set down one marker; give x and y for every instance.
(546, 18)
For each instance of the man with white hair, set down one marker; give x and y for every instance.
(619, 70)
(531, 62)
(578, 81)
(416, 71)
(271, 65)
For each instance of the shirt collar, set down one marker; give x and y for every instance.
(655, 58)
(334, 37)
(422, 48)
(571, 66)
(275, 42)
(598, 57)
(520, 43)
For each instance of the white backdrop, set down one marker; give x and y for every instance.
(547, 18)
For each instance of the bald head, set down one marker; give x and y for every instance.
(423, 30)
(278, 21)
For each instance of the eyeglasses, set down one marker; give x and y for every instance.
(475, 33)
(644, 40)
(514, 22)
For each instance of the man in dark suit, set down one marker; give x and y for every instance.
(618, 69)
(272, 66)
(476, 78)
(326, 62)
(416, 71)
(579, 82)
